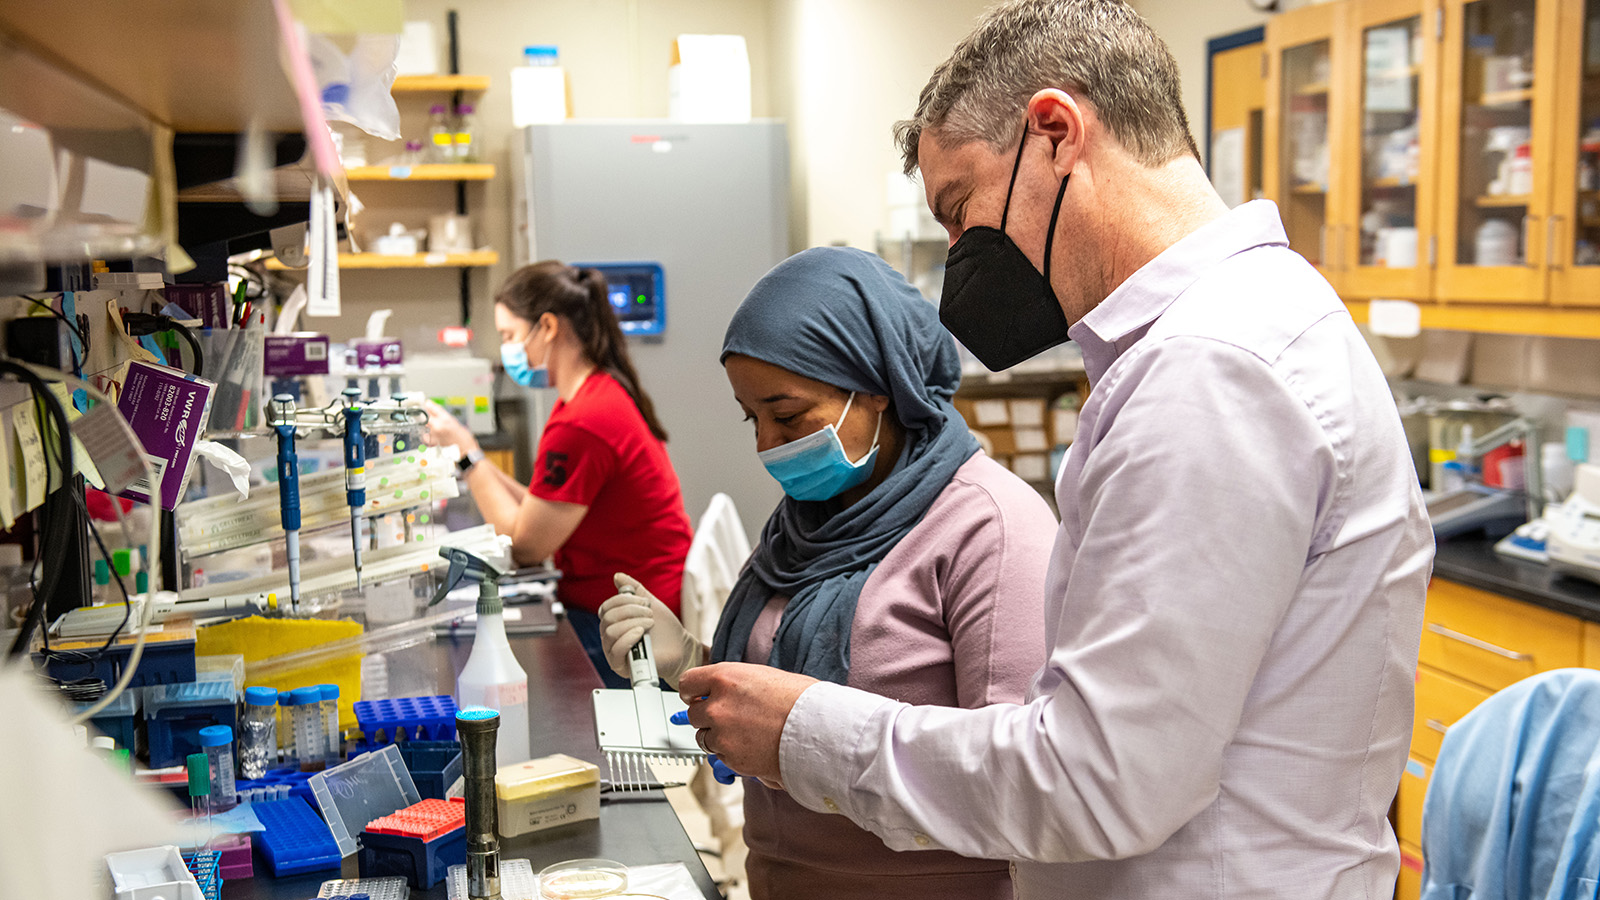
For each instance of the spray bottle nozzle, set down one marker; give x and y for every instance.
(464, 566)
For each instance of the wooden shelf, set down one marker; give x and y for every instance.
(419, 261)
(1570, 322)
(1312, 90)
(423, 172)
(1505, 98)
(1309, 190)
(1502, 201)
(416, 84)
(1392, 184)
(157, 57)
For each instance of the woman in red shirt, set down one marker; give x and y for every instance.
(604, 496)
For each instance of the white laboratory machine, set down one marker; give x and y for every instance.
(1573, 540)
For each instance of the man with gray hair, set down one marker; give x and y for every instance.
(1235, 595)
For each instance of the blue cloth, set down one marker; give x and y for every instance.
(845, 318)
(587, 626)
(1513, 808)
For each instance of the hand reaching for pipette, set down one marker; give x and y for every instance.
(628, 617)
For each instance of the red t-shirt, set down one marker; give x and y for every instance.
(597, 450)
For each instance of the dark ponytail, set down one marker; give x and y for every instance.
(580, 298)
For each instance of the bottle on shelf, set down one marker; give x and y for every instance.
(466, 148)
(441, 137)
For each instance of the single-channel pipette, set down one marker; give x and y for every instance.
(355, 470)
(288, 490)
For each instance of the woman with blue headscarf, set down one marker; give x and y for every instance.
(902, 560)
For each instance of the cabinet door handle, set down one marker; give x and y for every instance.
(1471, 641)
(1437, 725)
(1528, 224)
(1552, 257)
(1322, 246)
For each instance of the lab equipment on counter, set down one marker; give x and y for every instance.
(333, 739)
(305, 711)
(477, 727)
(580, 879)
(406, 718)
(206, 867)
(368, 787)
(419, 843)
(198, 768)
(1573, 544)
(295, 840)
(1473, 506)
(355, 471)
(152, 872)
(175, 714)
(435, 766)
(217, 740)
(546, 792)
(288, 491)
(517, 881)
(370, 888)
(633, 727)
(258, 732)
(491, 677)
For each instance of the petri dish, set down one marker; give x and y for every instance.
(580, 879)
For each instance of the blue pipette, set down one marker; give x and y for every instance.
(355, 470)
(288, 490)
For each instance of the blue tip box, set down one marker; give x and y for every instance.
(407, 718)
(175, 713)
(295, 840)
(434, 766)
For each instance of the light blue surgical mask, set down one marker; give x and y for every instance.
(514, 356)
(816, 467)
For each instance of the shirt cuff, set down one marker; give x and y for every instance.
(819, 755)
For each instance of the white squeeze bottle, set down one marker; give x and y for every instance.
(493, 679)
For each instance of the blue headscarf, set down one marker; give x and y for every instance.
(843, 317)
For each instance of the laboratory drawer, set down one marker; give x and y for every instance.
(1408, 806)
(1409, 884)
(1494, 641)
(1591, 645)
(1441, 700)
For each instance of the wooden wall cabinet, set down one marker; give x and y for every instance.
(1452, 154)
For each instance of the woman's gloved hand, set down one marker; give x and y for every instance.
(445, 430)
(627, 617)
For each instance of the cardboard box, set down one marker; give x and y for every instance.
(991, 413)
(1031, 466)
(1027, 412)
(1063, 425)
(1031, 440)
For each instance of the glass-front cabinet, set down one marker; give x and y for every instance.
(1303, 66)
(1388, 225)
(1494, 155)
(1573, 233)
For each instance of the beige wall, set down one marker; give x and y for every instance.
(1186, 26)
(849, 70)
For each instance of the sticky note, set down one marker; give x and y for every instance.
(33, 474)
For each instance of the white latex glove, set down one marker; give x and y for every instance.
(626, 618)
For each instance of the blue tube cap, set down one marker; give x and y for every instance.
(216, 736)
(329, 691)
(305, 696)
(261, 696)
(476, 714)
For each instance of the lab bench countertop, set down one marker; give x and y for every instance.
(635, 829)
(1471, 561)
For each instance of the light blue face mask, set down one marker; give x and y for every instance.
(514, 356)
(815, 467)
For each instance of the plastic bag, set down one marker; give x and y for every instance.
(354, 74)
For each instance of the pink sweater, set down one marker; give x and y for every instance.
(953, 616)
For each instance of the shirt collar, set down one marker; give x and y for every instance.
(1122, 318)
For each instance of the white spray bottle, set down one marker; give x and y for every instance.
(491, 677)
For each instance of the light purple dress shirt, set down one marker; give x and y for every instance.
(1232, 614)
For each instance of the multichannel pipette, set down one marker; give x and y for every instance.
(355, 470)
(283, 416)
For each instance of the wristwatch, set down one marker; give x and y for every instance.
(472, 458)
